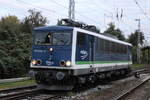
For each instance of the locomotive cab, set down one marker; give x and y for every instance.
(51, 47)
(52, 57)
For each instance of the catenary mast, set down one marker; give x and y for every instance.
(138, 41)
(71, 12)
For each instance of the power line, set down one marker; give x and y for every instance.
(136, 2)
(59, 4)
(96, 10)
(48, 10)
(38, 7)
(75, 11)
(67, 8)
(142, 10)
(9, 10)
(21, 13)
(103, 8)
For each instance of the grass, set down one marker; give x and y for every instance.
(70, 94)
(135, 66)
(17, 84)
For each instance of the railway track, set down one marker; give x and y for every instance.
(26, 92)
(13, 93)
(18, 88)
(19, 95)
(31, 91)
(131, 90)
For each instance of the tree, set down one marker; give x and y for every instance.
(113, 31)
(9, 36)
(35, 19)
(133, 38)
(13, 47)
(9, 27)
(15, 43)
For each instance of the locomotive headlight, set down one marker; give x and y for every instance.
(34, 62)
(68, 63)
(50, 49)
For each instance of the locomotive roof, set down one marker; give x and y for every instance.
(68, 28)
(104, 37)
(53, 28)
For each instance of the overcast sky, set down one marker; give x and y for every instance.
(96, 12)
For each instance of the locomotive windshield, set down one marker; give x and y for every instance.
(52, 38)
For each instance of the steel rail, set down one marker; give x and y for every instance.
(18, 88)
(18, 95)
(52, 97)
(127, 93)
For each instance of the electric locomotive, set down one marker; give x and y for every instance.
(63, 57)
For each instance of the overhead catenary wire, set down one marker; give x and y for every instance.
(75, 11)
(21, 13)
(129, 26)
(103, 8)
(10, 10)
(38, 7)
(78, 13)
(121, 15)
(142, 10)
(58, 4)
(41, 8)
(49, 10)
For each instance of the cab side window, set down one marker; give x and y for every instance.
(81, 39)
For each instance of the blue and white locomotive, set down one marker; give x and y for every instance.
(64, 56)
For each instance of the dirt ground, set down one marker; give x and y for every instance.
(112, 90)
(143, 93)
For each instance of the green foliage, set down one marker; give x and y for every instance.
(116, 32)
(35, 19)
(133, 38)
(145, 56)
(15, 43)
(10, 23)
(14, 48)
(134, 54)
(136, 66)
